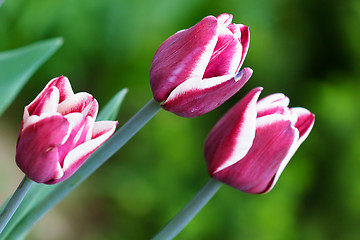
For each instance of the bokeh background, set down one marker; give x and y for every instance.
(307, 49)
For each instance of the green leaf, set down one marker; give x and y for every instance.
(111, 109)
(18, 65)
(1, 2)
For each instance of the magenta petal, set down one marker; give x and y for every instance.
(63, 84)
(274, 103)
(41, 139)
(195, 101)
(48, 103)
(254, 173)
(245, 41)
(224, 19)
(232, 137)
(183, 55)
(102, 131)
(278, 99)
(103, 128)
(226, 56)
(304, 122)
(81, 103)
(77, 122)
(234, 28)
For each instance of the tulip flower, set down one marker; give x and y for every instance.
(252, 143)
(59, 132)
(197, 69)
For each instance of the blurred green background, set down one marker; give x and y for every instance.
(307, 49)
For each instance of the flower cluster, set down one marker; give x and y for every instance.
(193, 72)
(196, 70)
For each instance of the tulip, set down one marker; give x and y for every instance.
(58, 133)
(197, 69)
(252, 143)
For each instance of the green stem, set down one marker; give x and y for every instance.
(179, 222)
(109, 148)
(14, 202)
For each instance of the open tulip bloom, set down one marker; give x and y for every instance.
(59, 132)
(252, 143)
(197, 69)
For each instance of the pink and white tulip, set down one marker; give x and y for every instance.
(59, 132)
(197, 69)
(252, 143)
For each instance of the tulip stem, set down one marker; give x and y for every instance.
(103, 153)
(179, 222)
(14, 202)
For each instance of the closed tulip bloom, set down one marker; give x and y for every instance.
(252, 143)
(197, 69)
(59, 132)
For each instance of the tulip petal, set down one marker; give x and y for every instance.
(304, 122)
(63, 84)
(80, 102)
(47, 104)
(255, 173)
(274, 103)
(196, 97)
(245, 41)
(232, 137)
(42, 139)
(278, 99)
(226, 56)
(77, 123)
(75, 158)
(224, 19)
(182, 56)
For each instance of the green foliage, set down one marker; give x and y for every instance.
(112, 108)
(17, 66)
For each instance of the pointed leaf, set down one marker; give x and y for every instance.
(18, 65)
(111, 109)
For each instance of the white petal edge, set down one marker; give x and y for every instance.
(279, 98)
(200, 66)
(34, 119)
(193, 84)
(78, 98)
(52, 101)
(75, 119)
(107, 127)
(245, 139)
(268, 120)
(299, 111)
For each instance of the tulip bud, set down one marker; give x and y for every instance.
(59, 132)
(195, 70)
(252, 143)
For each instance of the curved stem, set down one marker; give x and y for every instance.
(14, 202)
(103, 153)
(179, 222)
